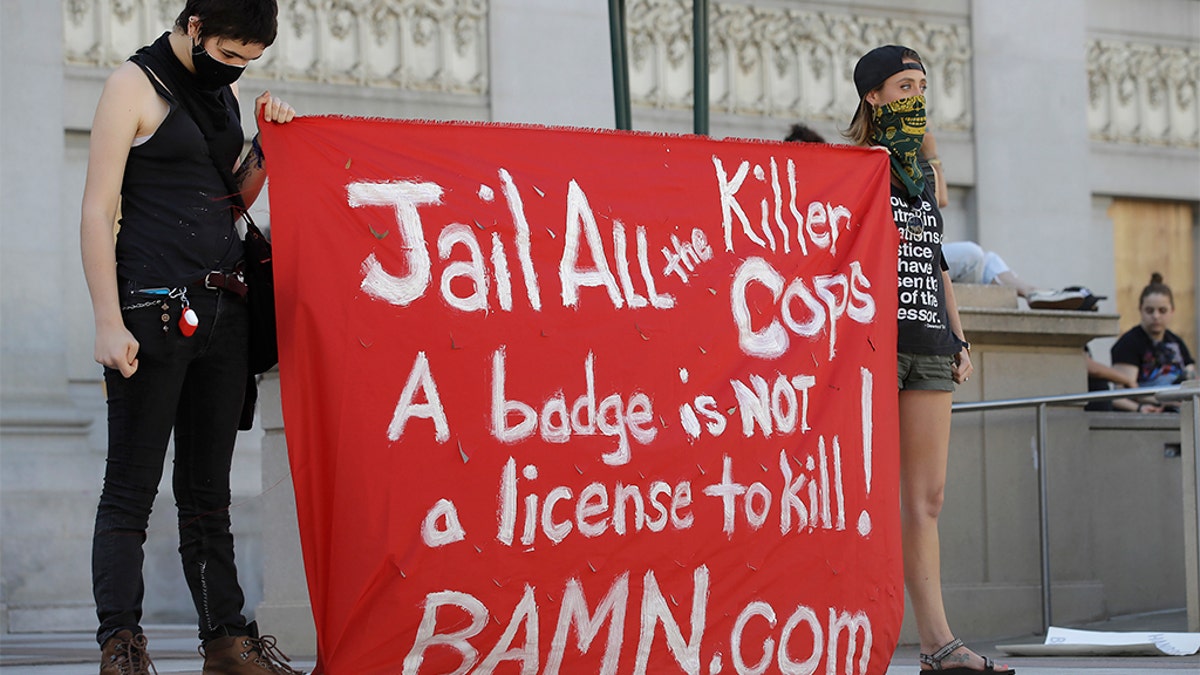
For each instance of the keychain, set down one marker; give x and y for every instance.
(188, 321)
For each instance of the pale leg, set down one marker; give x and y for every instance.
(924, 450)
(924, 447)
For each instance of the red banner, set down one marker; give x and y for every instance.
(566, 401)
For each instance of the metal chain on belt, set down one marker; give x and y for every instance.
(140, 305)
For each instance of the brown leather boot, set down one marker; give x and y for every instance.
(245, 655)
(125, 654)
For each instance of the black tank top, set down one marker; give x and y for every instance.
(177, 220)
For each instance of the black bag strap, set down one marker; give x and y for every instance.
(200, 108)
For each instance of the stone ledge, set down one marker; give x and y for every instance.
(292, 624)
(992, 296)
(1034, 327)
(1132, 420)
(51, 618)
(1012, 608)
(42, 417)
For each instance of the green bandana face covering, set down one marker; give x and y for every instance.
(900, 127)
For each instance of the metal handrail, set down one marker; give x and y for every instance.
(1064, 399)
(1176, 392)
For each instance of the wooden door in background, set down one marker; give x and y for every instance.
(1153, 236)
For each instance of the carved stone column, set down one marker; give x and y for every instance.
(1189, 406)
(1031, 150)
(285, 610)
(48, 482)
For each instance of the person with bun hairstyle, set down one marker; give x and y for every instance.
(932, 353)
(1149, 351)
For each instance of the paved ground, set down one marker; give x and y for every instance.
(174, 652)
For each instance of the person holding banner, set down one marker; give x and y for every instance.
(932, 355)
(171, 319)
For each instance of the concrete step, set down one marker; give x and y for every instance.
(173, 648)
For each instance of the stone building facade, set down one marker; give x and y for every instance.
(1070, 133)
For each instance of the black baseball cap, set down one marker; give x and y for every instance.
(877, 65)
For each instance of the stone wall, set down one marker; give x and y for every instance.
(1028, 170)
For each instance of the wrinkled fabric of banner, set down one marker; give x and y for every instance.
(574, 401)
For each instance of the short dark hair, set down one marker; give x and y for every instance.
(245, 20)
(1156, 287)
(803, 134)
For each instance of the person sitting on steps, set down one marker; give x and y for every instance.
(1150, 352)
(971, 264)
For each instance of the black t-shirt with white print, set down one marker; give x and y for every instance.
(924, 325)
(1159, 363)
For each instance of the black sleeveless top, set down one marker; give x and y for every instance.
(177, 219)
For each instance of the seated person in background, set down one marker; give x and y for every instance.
(1149, 351)
(970, 264)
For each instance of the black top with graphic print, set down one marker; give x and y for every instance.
(1159, 364)
(924, 325)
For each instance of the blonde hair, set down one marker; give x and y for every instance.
(862, 127)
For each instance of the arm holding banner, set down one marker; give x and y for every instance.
(251, 172)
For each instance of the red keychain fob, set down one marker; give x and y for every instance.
(188, 321)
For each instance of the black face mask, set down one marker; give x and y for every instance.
(211, 73)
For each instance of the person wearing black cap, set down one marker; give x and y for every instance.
(932, 355)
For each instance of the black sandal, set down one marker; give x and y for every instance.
(935, 660)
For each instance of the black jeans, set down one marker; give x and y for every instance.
(193, 386)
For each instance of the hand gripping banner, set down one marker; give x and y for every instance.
(568, 401)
